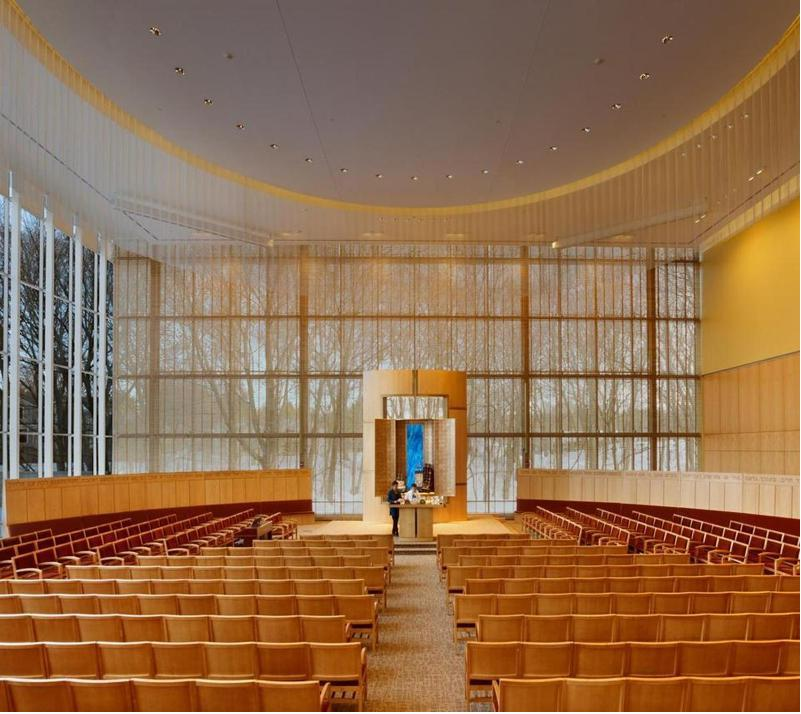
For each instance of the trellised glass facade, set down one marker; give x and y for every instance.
(252, 358)
(57, 323)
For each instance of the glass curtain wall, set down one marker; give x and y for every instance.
(63, 321)
(579, 358)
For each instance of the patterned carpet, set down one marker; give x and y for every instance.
(416, 666)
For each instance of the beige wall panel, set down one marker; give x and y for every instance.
(122, 499)
(748, 399)
(42, 499)
(768, 494)
(460, 418)
(138, 495)
(790, 379)
(763, 436)
(77, 501)
(105, 497)
(53, 506)
(237, 490)
(36, 505)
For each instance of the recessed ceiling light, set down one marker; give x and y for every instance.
(751, 178)
(448, 176)
(759, 171)
(730, 126)
(229, 55)
(180, 71)
(666, 39)
(379, 176)
(308, 159)
(554, 147)
(208, 101)
(520, 162)
(598, 60)
(415, 178)
(645, 75)
(240, 126)
(273, 146)
(485, 171)
(343, 171)
(746, 115)
(699, 146)
(714, 137)
(154, 30)
(617, 105)
(586, 130)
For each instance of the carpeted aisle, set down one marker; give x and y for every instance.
(416, 666)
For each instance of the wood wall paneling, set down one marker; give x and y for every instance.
(750, 418)
(29, 500)
(764, 494)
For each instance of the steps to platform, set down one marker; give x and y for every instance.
(414, 547)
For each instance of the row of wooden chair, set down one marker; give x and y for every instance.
(224, 580)
(633, 694)
(543, 524)
(355, 586)
(342, 665)
(634, 584)
(490, 661)
(174, 628)
(52, 552)
(384, 539)
(119, 547)
(689, 583)
(446, 539)
(720, 544)
(360, 611)
(584, 559)
(23, 537)
(636, 628)
(150, 695)
(597, 531)
(770, 533)
(287, 586)
(365, 556)
(450, 555)
(468, 608)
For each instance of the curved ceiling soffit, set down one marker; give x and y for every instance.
(20, 25)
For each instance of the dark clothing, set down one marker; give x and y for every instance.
(394, 497)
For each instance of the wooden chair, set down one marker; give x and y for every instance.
(343, 667)
(220, 696)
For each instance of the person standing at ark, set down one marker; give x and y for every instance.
(394, 497)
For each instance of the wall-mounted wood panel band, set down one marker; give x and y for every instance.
(41, 499)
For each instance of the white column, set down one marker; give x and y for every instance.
(77, 357)
(13, 342)
(49, 279)
(6, 301)
(100, 449)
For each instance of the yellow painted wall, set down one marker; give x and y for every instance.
(750, 294)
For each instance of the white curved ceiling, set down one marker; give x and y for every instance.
(414, 87)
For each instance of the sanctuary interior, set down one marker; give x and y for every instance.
(431, 356)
